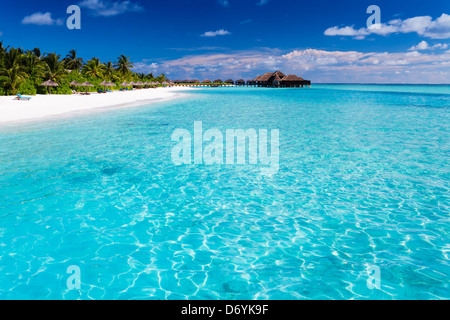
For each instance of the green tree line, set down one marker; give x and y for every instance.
(22, 71)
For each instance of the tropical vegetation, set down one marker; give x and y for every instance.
(23, 71)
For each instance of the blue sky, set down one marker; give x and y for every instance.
(325, 41)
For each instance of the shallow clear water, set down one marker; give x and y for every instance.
(363, 181)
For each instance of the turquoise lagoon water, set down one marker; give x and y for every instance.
(363, 181)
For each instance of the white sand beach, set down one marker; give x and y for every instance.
(46, 106)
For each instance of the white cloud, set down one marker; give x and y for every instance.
(440, 46)
(423, 26)
(346, 31)
(221, 32)
(423, 45)
(41, 19)
(108, 8)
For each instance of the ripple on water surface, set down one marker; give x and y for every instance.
(363, 181)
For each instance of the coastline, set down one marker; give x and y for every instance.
(44, 107)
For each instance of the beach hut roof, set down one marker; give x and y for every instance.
(87, 84)
(229, 81)
(218, 81)
(279, 74)
(292, 77)
(266, 76)
(49, 83)
(276, 77)
(240, 80)
(206, 81)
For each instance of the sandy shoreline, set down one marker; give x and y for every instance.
(42, 107)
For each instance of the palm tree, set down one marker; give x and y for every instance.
(33, 66)
(94, 68)
(12, 71)
(109, 70)
(72, 61)
(123, 65)
(37, 53)
(12, 58)
(13, 78)
(2, 48)
(3, 51)
(54, 68)
(161, 78)
(141, 76)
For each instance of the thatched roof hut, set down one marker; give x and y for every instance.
(271, 77)
(278, 78)
(229, 81)
(206, 81)
(292, 77)
(49, 84)
(74, 83)
(218, 81)
(294, 81)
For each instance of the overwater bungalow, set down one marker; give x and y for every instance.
(218, 81)
(240, 82)
(279, 79)
(229, 81)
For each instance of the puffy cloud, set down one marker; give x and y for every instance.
(41, 19)
(221, 32)
(107, 8)
(346, 31)
(423, 45)
(423, 26)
